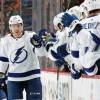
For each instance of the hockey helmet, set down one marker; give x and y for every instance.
(75, 11)
(92, 4)
(16, 19)
(57, 19)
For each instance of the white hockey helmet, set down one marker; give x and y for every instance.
(92, 4)
(84, 9)
(57, 19)
(76, 10)
(16, 19)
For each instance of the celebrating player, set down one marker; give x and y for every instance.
(19, 53)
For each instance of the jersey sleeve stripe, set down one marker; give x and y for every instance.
(4, 59)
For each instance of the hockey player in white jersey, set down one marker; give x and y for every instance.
(84, 46)
(93, 18)
(60, 45)
(62, 50)
(17, 51)
(60, 36)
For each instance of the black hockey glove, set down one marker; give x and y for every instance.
(75, 73)
(59, 62)
(36, 41)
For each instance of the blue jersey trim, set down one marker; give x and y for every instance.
(55, 55)
(95, 39)
(25, 74)
(62, 51)
(4, 59)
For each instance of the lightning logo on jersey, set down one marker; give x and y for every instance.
(19, 55)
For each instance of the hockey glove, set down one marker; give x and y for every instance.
(59, 62)
(62, 50)
(75, 73)
(45, 36)
(36, 41)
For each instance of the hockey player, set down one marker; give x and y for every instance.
(84, 45)
(17, 51)
(62, 51)
(54, 48)
(93, 19)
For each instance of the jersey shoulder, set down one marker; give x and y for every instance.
(30, 33)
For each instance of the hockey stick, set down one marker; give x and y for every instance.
(58, 70)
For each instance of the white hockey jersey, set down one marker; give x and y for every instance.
(21, 57)
(88, 23)
(83, 49)
(63, 39)
(91, 57)
(92, 22)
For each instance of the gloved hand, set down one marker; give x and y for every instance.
(62, 50)
(69, 21)
(42, 32)
(45, 36)
(59, 62)
(36, 41)
(75, 73)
